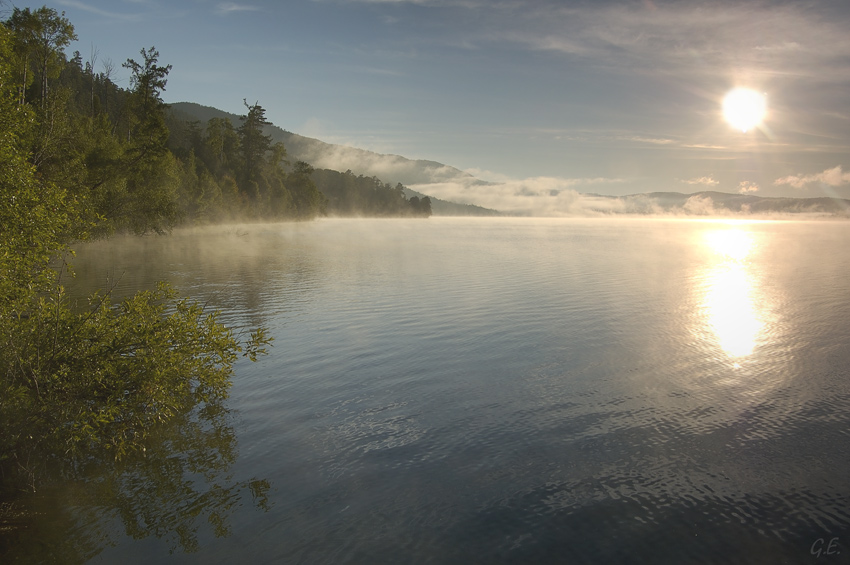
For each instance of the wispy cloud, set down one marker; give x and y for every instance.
(705, 181)
(537, 196)
(683, 38)
(703, 146)
(694, 37)
(829, 177)
(489, 176)
(548, 196)
(544, 196)
(745, 187)
(651, 140)
(224, 8)
(698, 205)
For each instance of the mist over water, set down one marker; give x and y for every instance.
(521, 390)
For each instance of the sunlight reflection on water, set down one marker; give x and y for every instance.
(730, 294)
(523, 390)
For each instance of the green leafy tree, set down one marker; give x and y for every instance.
(22, 25)
(148, 80)
(39, 38)
(41, 35)
(221, 146)
(152, 174)
(34, 219)
(254, 145)
(308, 200)
(368, 196)
(82, 385)
(85, 384)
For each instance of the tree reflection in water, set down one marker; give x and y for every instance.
(180, 490)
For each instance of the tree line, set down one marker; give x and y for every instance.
(85, 385)
(350, 195)
(234, 172)
(133, 165)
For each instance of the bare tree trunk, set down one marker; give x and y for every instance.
(108, 68)
(24, 84)
(93, 59)
(44, 80)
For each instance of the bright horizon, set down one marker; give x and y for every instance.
(611, 98)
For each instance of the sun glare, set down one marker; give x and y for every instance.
(744, 108)
(732, 312)
(729, 297)
(732, 243)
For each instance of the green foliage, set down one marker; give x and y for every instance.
(39, 38)
(308, 200)
(254, 146)
(238, 173)
(350, 195)
(113, 165)
(33, 220)
(81, 157)
(82, 385)
(128, 164)
(147, 110)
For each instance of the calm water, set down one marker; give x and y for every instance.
(499, 390)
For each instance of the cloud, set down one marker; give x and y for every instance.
(489, 176)
(537, 196)
(830, 177)
(388, 168)
(560, 197)
(230, 7)
(683, 38)
(703, 146)
(700, 206)
(652, 140)
(745, 187)
(758, 40)
(707, 181)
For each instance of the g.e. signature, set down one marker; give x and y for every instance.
(822, 547)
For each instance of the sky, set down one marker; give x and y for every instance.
(542, 96)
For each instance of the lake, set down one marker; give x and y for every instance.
(457, 390)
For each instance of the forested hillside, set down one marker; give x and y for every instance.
(130, 164)
(350, 195)
(394, 169)
(85, 384)
(235, 173)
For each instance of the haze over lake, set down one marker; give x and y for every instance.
(495, 390)
(544, 282)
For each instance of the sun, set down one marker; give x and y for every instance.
(744, 108)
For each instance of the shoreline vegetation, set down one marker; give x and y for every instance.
(88, 386)
(80, 159)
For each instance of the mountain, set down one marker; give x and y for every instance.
(395, 169)
(391, 169)
(712, 202)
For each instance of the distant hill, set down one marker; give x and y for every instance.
(394, 169)
(391, 169)
(446, 208)
(707, 202)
